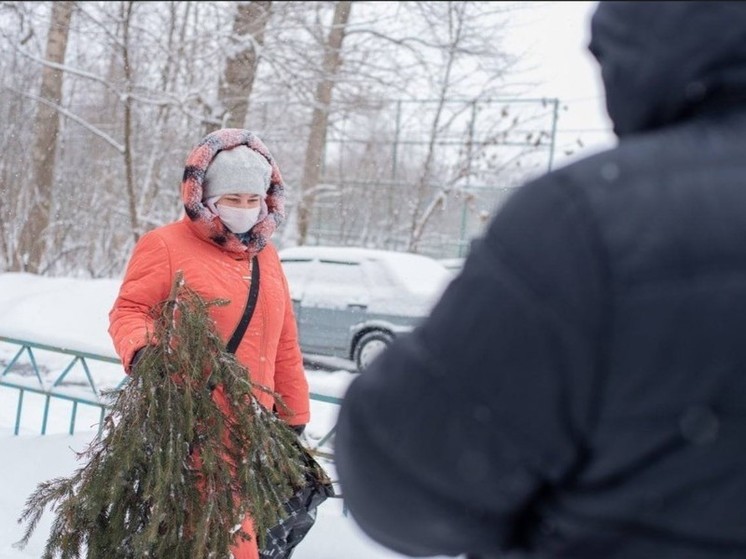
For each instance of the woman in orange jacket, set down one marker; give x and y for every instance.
(234, 196)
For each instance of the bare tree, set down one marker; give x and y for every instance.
(126, 18)
(457, 38)
(367, 111)
(444, 56)
(320, 117)
(249, 25)
(32, 240)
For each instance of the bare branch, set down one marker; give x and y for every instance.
(69, 69)
(75, 118)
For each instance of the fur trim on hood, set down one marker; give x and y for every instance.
(204, 222)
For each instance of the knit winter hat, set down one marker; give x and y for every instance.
(239, 170)
(205, 223)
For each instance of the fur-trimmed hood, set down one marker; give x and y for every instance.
(204, 222)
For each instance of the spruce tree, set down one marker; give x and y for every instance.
(171, 475)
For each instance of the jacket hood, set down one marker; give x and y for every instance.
(662, 62)
(203, 221)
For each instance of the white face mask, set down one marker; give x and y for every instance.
(238, 220)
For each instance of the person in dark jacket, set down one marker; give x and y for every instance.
(580, 389)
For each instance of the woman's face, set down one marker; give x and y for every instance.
(246, 201)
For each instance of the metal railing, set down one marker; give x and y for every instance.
(56, 389)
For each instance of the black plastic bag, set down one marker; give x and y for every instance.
(281, 540)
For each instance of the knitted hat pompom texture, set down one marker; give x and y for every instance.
(208, 225)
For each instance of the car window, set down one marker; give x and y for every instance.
(297, 272)
(336, 284)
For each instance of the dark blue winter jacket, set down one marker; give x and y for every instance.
(580, 389)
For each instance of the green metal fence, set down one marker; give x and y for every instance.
(51, 385)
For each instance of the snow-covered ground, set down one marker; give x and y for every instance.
(73, 313)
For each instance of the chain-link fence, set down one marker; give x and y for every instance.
(414, 175)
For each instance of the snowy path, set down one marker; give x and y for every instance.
(30, 458)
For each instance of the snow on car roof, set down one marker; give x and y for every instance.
(420, 274)
(353, 254)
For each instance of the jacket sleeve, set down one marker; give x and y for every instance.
(290, 376)
(147, 282)
(445, 442)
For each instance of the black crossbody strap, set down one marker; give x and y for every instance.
(248, 311)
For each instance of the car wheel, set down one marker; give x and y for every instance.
(369, 346)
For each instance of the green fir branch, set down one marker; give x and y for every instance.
(171, 476)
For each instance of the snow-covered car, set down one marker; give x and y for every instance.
(350, 302)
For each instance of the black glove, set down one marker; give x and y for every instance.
(298, 429)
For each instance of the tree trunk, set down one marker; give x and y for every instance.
(320, 118)
(249, 25)
(32, 243)
(126, 14)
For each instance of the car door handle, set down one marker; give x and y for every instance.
(359, 306)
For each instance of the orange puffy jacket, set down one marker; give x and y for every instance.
(269, 348)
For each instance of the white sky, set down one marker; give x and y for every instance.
(554, 37)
